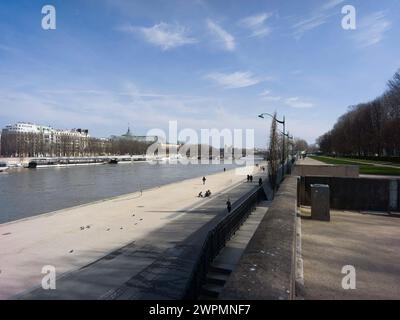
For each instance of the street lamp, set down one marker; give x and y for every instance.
(283, 122)
(290, 137)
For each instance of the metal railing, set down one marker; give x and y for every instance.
(222, 233)
(219, 236)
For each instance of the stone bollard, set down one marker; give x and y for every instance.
(320, 204)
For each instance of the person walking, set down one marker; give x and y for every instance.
(260, 182)
(251, 178)
(248, 178)
(204, 180)
(229, 205)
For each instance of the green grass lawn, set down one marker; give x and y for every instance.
(372, 161)
(364, 168)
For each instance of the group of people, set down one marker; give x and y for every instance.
(250, 179)
(206, 194)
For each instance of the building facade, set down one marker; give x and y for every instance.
(30, 140)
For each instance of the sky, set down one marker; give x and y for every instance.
(203, 63)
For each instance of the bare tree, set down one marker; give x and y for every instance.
(368, 129)
(274, 153)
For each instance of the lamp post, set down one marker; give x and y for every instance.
(283, 123)
(290, 149)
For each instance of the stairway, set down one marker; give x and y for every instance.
(227, 259)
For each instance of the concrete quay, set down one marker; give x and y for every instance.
(137, 246)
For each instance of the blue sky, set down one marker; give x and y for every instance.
(206, 64)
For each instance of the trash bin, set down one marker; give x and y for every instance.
(320, 202)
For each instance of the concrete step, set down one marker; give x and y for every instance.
(220, 268)
(211, 290)
(217, 278)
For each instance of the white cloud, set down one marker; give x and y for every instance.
(104, 112)
(319, 17)
(256, 24)
(272, 98)
(164, 35)
(371, 29)
(223, 36)
(295, 102)
(309, 24)
(266, 95)
(234, 80)
(331, 4)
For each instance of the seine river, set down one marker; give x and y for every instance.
(29, 192)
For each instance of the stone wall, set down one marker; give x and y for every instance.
(360, 194)
(326, 170)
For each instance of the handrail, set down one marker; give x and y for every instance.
(218, 236)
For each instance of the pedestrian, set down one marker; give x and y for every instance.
(200, 194)
(224, 169)
(229, 205)
(251, 178)
(248, 178)
(260, 182)
(204, 180)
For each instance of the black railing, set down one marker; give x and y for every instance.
(219, 236)
(224, 230)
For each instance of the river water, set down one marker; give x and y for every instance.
(25, 193)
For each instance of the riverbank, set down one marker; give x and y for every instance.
(72, 238)
(25, 193)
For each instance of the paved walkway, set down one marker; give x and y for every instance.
(126, 242)
(370, 243)
(310, 162)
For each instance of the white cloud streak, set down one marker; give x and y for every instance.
(164, 35)
(234, 80)
(319, 17)
(296, 102)
(371, 29)
(266, 95)
(222, 36)
(257, 24)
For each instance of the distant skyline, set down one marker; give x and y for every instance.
(206, 64)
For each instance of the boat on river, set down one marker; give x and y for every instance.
(3, 167)
(64, 162)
